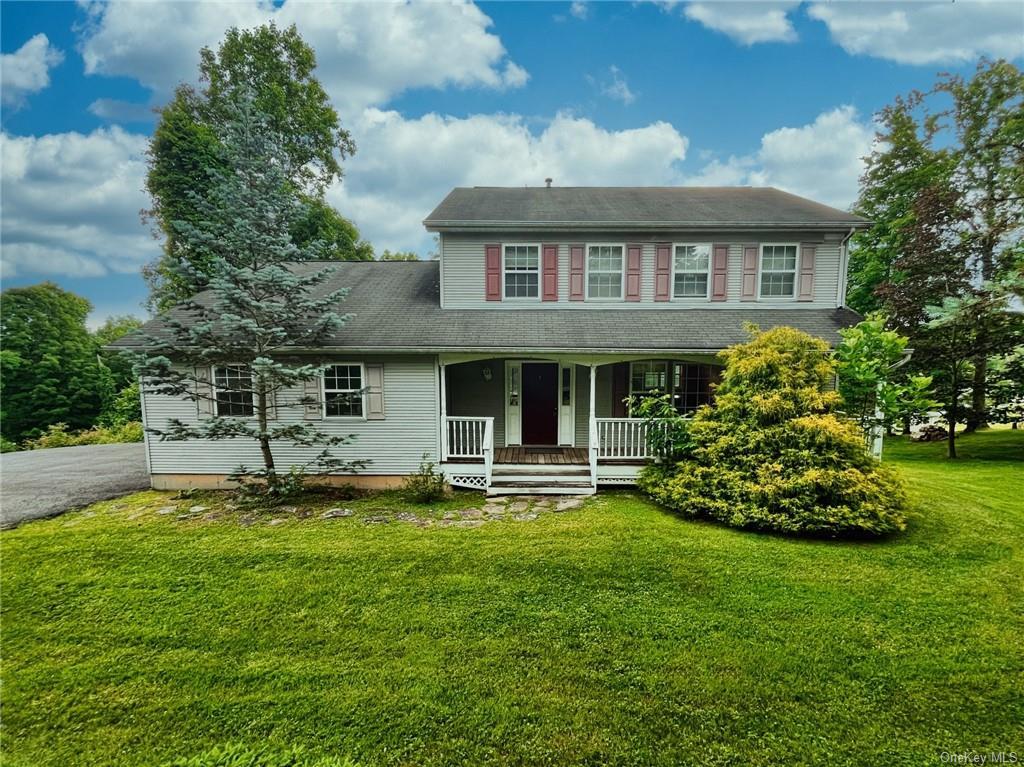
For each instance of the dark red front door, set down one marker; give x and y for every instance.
(540, 403)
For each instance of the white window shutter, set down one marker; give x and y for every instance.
(311, 393)
(205, 406)
(375, 392)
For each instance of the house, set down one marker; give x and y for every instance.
(510, 357)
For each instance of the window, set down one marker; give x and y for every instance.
(566, 387)
(691, 386)
(778, 271)
(604, 271)
(690, 268)
(522, 271)
(232, 390)
(343, 391)
(648, 378)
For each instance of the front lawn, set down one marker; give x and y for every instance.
(611, 634)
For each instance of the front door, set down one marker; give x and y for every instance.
(540, 403)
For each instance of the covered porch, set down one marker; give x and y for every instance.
(540, 423)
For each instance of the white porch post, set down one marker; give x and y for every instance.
(595, 441)
(444, 415)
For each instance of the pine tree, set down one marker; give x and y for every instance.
(258, 307)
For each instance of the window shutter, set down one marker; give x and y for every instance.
(549, 269)
(634, 259)
(719, 272)
(749, 273)
(375, 392)
(806, 273)
(492, 272)
(662, 271)
(205, 406)
(314, 408)
(576, 271)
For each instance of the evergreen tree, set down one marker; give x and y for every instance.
(258, 306)
(50, 368)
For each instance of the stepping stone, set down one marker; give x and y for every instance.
(526, 517)
(198, 509)
(336, 513)
(449, 515)
(303, 513)
(468, 523)
(407, 516)
(519, 506)
(494, 508)
(569, 503)
(276, 522)
(167, 510)
(376, 520)
(247, 521)
(543, 503)
(472, 513)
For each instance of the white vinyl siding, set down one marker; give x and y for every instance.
(392, 445)
(462, 270)
(605, 265)
(691, 268)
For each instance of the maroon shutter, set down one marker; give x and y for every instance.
(576, 269)
(634, 257)
(549, 270)
(749, 273)
(662, 271)
(806, 292)
(719, 272)
(492, 272)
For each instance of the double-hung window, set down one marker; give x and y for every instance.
(604, 271)
(232, 391)
(522, 271)
(690, 268)
(778, 271)
(343, 391)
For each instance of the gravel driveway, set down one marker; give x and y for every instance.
(43, 483)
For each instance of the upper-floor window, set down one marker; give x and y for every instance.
(522, 271)
(778, 271)
(690, 268)
(604, 271)
(232, 391)
(343, 391)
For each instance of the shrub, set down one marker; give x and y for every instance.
(771, 454)
(6, 446)
(426, 485)
(57, 435)
(124, 407)
(238, 755)
(668, 432)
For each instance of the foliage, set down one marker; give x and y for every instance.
(427, 485)
(258, 306)
(668, 432)
(124, 407)
(1006, 387)
(352, 638)
(49, 371)
(399, 255)
(6, 446)
(57, 435)
(240, 755)
(275, 67)
(874, 394)
(119, 365)
(771, 454)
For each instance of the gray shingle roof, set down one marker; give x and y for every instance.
(396, 308)
(636, 207)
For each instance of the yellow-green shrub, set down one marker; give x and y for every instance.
(57, 435)
(770, 454)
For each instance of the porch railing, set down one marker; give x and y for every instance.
(623, 438)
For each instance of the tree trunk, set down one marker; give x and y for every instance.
(268, 456)
(906, 424)
(978, 417)
(951, 415)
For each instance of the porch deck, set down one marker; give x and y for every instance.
(552, 456)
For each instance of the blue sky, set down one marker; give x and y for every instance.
(438, 95)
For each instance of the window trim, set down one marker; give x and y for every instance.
(668, 374)
(760, 269)
(707, 283)
(213, 388)
(540, 265)
(586, 271)
(361, 390)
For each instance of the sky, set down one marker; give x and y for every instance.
(438, 95)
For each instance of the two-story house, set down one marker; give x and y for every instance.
(509, 359)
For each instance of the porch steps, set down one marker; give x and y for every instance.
(540, 479)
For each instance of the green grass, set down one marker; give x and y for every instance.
(614, 634)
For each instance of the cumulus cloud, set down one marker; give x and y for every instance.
(579, 9)
(119, 111)
(746, 22)
(821, 160)
(615, 87)
(27, 70)
(406, 166)
(367, 53)
(926, 32)
(71, 203)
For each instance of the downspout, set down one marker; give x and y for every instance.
(843, 266)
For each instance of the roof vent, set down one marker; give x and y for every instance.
(547, 182)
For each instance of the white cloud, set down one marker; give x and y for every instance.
(72, 202)
(746, 22)
(27, 70)
(579, 9)
(926, 32)
(615, 88)
(367, 53)
(119, 111)
(406, 166)
(822, 160)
